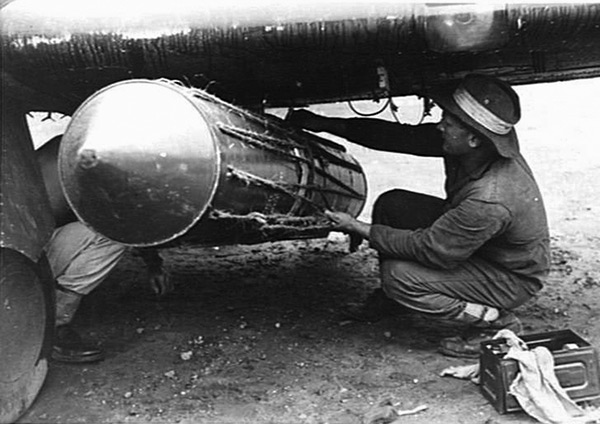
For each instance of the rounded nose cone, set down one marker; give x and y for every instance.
(138, 162)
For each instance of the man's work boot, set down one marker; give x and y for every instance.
(469, 345)
(376, 307)
(70, 348)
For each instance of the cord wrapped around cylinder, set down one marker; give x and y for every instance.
(146, 162)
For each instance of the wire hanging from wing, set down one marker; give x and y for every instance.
(427, 107)
(383, 108)
(384, 85)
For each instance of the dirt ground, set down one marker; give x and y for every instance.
(253, 334)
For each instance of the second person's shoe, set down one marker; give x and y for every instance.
(70, 348)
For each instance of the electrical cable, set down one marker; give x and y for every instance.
(371, 113)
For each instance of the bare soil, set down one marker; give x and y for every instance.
(253, 334)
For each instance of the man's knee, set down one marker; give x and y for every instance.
(74, 233)
(406, 209)
(384, 205)
(94, 241)
(387, 197)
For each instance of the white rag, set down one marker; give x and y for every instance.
(536, 387)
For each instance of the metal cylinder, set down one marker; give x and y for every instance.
(146, 162)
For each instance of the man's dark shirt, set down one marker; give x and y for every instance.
(496, 212)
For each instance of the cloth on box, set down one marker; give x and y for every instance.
(536, 387)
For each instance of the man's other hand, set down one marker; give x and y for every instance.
(346, 223)
(158, 279)
(304, 119)
(341, 221)
(160, 282)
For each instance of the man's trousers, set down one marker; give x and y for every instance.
(443, 292)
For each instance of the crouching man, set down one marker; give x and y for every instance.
(483, 250)
(80, 260)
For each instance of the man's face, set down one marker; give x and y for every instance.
(456, 135)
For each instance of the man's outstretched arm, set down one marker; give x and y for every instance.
(377, 134)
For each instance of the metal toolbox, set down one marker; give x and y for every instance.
(575, 366)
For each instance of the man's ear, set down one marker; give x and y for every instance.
(474, 141)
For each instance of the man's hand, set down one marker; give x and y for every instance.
(158, 279)
(341, 220)
(346, 223)
(160, 282)
(304, 119)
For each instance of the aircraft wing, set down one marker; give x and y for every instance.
(287, 53)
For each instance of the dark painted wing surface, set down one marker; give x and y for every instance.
(290, 53)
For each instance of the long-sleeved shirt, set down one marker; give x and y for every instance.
(495, 212)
